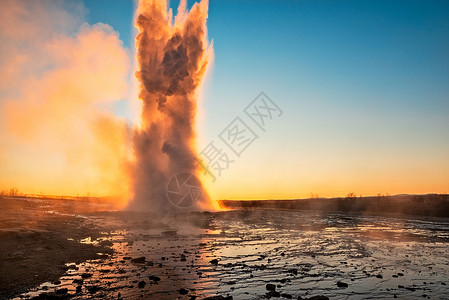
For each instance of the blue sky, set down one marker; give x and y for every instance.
(363, 84)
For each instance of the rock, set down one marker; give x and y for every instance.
(139, 260)
(342, 284)
(86, 275)
(214, 262)
(93, 289)
(218, 297)
(379, 276)
(150, 263)
(270, 294)
(293, 271)
(79, 289)
(142, 284)
(62, 291)
(183, 257)
(183, 291)
(400, 274)
(154, 278)
(127, 258)
(57, 282)
(287, 296)
(320, 297)
(270, 287)
(400, 286)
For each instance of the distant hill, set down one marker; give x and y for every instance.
(435, 205)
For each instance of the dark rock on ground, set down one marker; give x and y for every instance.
(142, 284)
(342, 284)
(62, 291)
(139, 260)
(218, 297)
(275, 294)
(270, 287)
(320, 297)
(93, 289)
(214, 262)
(154, 278)
(293, 271)
(86, 275)
(183, 291)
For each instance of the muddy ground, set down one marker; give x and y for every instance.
(241, 254)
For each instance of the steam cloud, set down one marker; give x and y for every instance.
(172, 60)
(59, 78)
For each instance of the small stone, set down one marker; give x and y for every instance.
(320, 297)
(62, 291)
(270, 287)
(270, 294)
(93, 289)
(218, 297)
(342, 284)
(293, 271)
(214, 262)
(379, 276)
(142, 284)
(287, 296)
(86, 275)
(139, 260)
(154, 278)
(183, 291)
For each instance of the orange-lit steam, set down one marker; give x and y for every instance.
(58, 80)
(172, 59)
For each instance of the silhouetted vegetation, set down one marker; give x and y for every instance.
(436, 205)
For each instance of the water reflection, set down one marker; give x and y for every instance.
(237, 253)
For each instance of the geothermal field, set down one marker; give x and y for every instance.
(63, 249)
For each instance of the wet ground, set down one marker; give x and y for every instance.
(258, 254)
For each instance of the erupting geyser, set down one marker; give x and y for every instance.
(172, 59)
